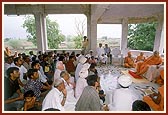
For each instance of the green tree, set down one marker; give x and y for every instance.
(78, 41)
(54, 37)
(29, 24)
(141, 36)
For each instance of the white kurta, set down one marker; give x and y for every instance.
(53, 100)
(78, 68)
(57, 74)
(123, 99)
(100, 51)
(41, 77)
(80, 85)
(70, 100)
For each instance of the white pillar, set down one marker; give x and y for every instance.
(93, 40)
(89, 30)
(92, 33)
(124, 40)
(162, 41)
(159, 36)
(44, 27)
(39, 31)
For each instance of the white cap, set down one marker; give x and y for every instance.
(125, 80)
(82, 60)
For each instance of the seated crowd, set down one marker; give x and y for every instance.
(54, 81)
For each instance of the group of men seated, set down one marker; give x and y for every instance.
(142, 63)
(56, 82)
(49, 81)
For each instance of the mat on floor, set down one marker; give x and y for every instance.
(134, 75)
(143, 80)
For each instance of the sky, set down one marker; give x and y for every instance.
(13, 26)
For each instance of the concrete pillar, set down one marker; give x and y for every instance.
(124, 40)
(44, 28)
(92, 32)
(39, 31)
(93, 40)
(162, 41)
(89, 30)
(159, 36)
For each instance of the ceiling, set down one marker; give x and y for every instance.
(102, 13)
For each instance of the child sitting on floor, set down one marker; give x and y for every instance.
(30, 103)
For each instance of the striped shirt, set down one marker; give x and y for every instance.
(89, 100)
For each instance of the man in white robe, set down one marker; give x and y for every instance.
(56, 97)
(123, 97)
(82, 60)
(100, 50)
(81, 82)
(70, 100)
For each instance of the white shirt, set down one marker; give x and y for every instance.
(57, 74)
(22, 71)
(78, 68)
(41, 77)
(80, 85)
(42, 72)
(70, 100)
(53, 100)
(6, 66)
(100, 51)
(123, 99)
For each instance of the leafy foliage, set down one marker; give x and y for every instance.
(141, 36)
(29, 24)
(54, 37)
(78, 41)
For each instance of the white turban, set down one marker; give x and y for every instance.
(82, 60)
(84, 71)
(125, 80)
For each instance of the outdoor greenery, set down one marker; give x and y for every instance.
(54, 37)
(78, 41)
(141, 36)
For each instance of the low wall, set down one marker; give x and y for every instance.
(135, 53)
